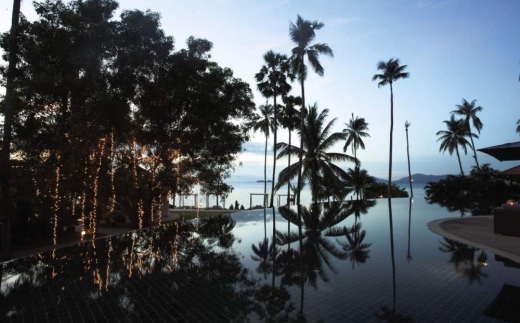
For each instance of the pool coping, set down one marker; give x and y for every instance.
(460, 229)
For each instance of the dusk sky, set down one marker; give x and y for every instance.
(454, 49)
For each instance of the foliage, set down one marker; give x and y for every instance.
(356, 131)
(469, 113)
(110, 116)
(317, 163)
(454, 137)
(380, 190)
(480, 192)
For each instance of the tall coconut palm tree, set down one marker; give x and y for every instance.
(290, 120)
(8, 119)
(518, 127)
(316, 162)
(454, 137)
(406, 125)
(392, 71)
(265, 123)
(302, 34)
(355, 130)
(272, 82)
(468, 111)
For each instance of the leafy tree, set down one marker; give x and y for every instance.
(272, 82)
(380, 190)
(355, 130)
(316, 162)
(469, 113)
(478, 193)
(5, 162)
(454, 137)
(303, 34)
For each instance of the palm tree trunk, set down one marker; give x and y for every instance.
(473, 147)
(458, 157)
(391, 134)
(265, 186)
(274, 151)
(390, 191)
(300, 157)
(409, 171)
(289, 165)
(8, 119)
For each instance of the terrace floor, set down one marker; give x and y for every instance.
(478, 231)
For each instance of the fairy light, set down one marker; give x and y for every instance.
(108, 262)
(96, 190)
(112, 154)
(56, 203)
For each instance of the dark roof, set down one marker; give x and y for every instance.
(509, 151)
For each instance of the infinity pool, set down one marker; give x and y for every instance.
(343, 267)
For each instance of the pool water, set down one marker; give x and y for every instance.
(227, 269)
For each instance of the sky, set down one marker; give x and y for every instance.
(453, 49)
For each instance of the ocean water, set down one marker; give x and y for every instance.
(242, 192)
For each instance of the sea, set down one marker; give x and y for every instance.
(250, 194)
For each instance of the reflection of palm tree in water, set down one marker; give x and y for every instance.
(357, 251)
(265, 253)
(358, 207)
(408, 254)
(386, 314)
(464, 255)
(318, 225)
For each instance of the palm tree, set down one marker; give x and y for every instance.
(302, 34)
(518, 127)
(272, 82)
(469, 113)
(392, 72)
(290, 119)
(316, 138)
(356, 130)
(358, 180)
(265, 123)
(406, 125)
(454, 137)
(8, 119)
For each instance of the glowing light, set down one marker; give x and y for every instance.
(96, 190)
(56, 198)
(112, 154)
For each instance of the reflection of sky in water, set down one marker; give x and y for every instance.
(427, 287)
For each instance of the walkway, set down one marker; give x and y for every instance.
(478, 231)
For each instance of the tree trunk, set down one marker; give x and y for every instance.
(409, 171)
(289, 165)
(300, 157)
(274, 151)
(8, 120)
(473, 147)
(458, 157)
